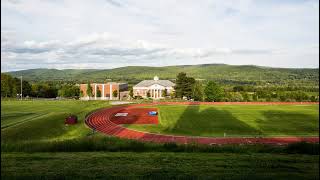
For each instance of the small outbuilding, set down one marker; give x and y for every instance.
(72, 119)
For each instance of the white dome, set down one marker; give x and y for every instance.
(156, 78)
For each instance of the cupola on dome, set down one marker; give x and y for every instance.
(156, 78)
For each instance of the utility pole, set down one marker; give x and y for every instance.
(21, 88)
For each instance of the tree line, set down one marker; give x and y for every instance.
(188, 88)
(11, 87)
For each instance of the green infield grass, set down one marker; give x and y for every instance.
(236, 120)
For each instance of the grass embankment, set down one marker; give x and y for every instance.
(114, 144)
(236, 120)
(100, 165)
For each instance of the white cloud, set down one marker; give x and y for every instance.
(108, 33)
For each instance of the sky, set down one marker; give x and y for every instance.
(104, 34)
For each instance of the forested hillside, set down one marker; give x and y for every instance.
(224, 74)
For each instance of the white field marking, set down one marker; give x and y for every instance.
(121, 114)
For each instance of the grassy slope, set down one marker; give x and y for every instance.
(158, 165)
(243, 120)
(44, 120)
(218, 72)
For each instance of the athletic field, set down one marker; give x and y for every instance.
(235, 120)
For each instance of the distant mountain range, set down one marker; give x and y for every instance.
(227, 74)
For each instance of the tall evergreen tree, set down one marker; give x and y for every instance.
(89, 90)
(98, 93)
(184, 85)
(180, 84)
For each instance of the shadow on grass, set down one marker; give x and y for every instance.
(211, 122)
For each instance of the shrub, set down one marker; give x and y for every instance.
(113, 144)
(303, 148)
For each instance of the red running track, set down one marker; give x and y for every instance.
(102, 122)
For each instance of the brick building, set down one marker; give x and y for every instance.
(106, 90)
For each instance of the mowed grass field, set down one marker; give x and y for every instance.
(236, 120)
(44, 119)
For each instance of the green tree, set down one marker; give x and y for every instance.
(115, 93)
(245, 96)
(89, 90)
(197, 91)
(184, 85)
(172, 94)
(61, 92)
(6, 80)
(189, 87)
(81, 93)
(164, 93)
(131, 93)
(238, 89)
(227, 97)
(26, 88)
(76, 91)
(282, 96)
(181, 82)
(9, 85)
(213, 92)
(255, 97)
(237, 97)
(35, 90)
(98, 92)
(300, 96)
(268, 97)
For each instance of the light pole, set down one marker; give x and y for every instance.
(21, 88)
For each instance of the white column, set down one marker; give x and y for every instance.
(102, 91)
(160, 93)
(95, 91)
(110, 91)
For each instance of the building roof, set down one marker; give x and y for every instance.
(147, 83)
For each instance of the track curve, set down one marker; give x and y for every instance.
(101, 121)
